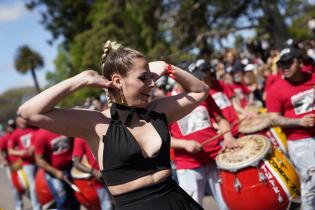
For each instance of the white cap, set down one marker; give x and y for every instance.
(250, 67)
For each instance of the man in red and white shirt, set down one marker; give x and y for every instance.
(194, 162)
(291, 102)
(220, 92)
(82, 150)
(53, 153)
(242, 96)
(22, 146)
(8, 160)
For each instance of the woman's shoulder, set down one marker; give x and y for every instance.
(103, 122)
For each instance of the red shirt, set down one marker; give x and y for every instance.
(241, 91)
(55, 148)
(22, 139)
(270, 80)
(293, 101)
(221, 93)
(82, 148)
(3, 145)
(197, 126)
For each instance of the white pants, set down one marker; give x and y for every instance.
(194, 182)
(302, 154)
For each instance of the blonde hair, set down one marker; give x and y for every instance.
(117, 59)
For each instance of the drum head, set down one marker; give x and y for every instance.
(254, 148)
(75, 173)
(253, 125)
(254, 108)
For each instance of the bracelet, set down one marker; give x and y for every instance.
(169, 71)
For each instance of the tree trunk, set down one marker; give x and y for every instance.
(35, 80)
(274, 25)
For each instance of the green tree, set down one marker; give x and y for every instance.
(28, 60)
(199, 23)
(11, 99)
(173, 30)
(299, 28)
(63, 18)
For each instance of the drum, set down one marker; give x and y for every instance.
(19, 180)
(277, 138)
(87, 185)
(253, 125)
(17, 165)
(256, 176)
(42, 190)
(262, 125)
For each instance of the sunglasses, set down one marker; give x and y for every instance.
(285, 64)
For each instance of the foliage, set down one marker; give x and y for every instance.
(63, 18)
(12, 99)
(299, 28)
(28, 60)
(172, 30)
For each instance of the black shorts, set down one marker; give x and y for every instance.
(166, 195)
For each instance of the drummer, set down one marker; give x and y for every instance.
(80, 149)
(53, 153)
(21, 145)
(9, 160)
(195, 164)
(293, 109)
(219, 91)
(242, 95)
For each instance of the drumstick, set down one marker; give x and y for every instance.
(215, 137)
(76, 189)
(221, 134)
(73, 186)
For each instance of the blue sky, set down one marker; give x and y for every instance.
(18, 26)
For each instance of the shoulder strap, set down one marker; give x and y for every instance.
(114, 112)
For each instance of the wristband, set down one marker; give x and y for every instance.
(169, 71)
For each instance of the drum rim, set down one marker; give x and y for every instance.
(80, 175)
(263, 126)
(252, 163)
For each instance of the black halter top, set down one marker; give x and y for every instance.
(123, 160)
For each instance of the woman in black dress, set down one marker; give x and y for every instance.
(133, 134)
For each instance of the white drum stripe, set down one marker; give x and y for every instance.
(275, 174)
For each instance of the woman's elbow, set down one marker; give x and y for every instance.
(23, 112)
(205, 91)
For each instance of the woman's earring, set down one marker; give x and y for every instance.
(122, 97)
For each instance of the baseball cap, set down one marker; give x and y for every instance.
(288, 54)
(198, 68)
(12, 123)
(237, 67)
(250, 67)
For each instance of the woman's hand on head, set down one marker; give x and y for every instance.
(94, 79)
(157, 68)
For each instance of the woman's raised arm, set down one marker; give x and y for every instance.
(180, 105)
(40, 110)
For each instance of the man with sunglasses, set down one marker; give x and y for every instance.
(291, 104)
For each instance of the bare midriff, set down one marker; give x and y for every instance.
(141, 182)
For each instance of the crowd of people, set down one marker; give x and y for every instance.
(150, 127)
